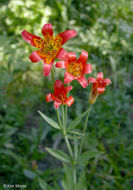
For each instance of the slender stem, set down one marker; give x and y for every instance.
(75, 157)
(68, 146)
(58, 117)
(66, 110)
(75, 147)
(74, 177)
(63, 117)
(57, 111)
(84, 129)
(52, 75)
(63, 127)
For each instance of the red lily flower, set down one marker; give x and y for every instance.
(75, 68)
(98, 86)
(60, 95)
(49, 47)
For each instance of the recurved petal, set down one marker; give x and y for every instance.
(49, 97)
(83, 57)
(67, 35)
(107, 81)
(69, 101)
(47, 68)
(30, 38)
(100, 75)
(100, 90)
(68, 88)
(82, 80)
(87, 69)
(47, 28)
(35, 57)
(62, 54)
(71, 57)
(61, 64)
(68, 78)
(91, 80)
(56, 104)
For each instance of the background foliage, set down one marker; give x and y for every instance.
(105, 31)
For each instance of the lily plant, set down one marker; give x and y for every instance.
(49, 48)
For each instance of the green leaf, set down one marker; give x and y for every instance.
(76, 121)
(59, 155)
(76, 133)
(83, 159)
(67, 182)
(44, 185)
(82, 181)
(49, 121)
(29, 174)
(56, 186)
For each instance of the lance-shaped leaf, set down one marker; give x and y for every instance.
(58, 154)
(30, 174)
(49, 120)
(83, 158)
(76, 121)
(76, 133)
(44, 185)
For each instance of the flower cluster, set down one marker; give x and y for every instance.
(49, 48)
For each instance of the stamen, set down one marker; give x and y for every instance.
(75, 69)
(62, 97)
(49, 47)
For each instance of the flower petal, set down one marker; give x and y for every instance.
(71, 57)
(47, 68)
(69, 101)
(61, 64)
(30, 38)
(56, 104)
(100, 75)
(83, 57)
(107, 81)
(47, 28)
(100, 90)
(82, 80)
(62, 54)
(49, 97)
(67, 35)
(91, 80)
(68, 88)
(87, 69)
(35, 57)
(58, 87)
(68, 78)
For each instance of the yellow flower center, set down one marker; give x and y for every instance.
(75, 69)
(62, 97)
(49, 47)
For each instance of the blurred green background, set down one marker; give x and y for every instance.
(105, 31)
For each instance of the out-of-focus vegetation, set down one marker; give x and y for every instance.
(105, 30)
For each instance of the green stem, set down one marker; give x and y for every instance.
(63, 117)
(74, 177)
(52, 75)
(64, 121)
(84, 129)
(75, 158)
(58, 118)
(68, 146)
(66, 107)
(57, 111)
